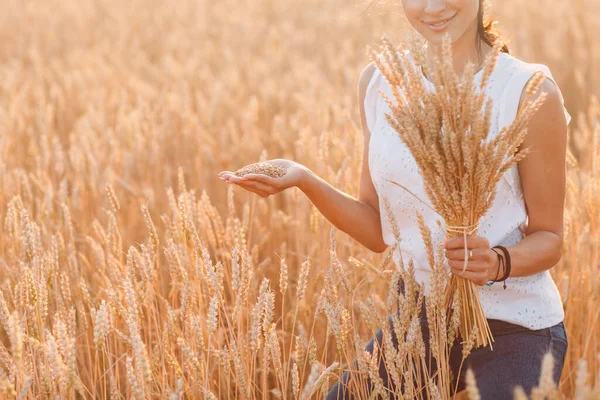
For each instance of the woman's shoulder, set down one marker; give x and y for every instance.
(516, 65)
(520, 72)
(367, 81)
(366, 75)
(367, 94)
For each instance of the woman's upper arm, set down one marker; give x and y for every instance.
(367, 189)
(542, 171)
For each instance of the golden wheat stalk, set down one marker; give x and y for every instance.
(446, 130)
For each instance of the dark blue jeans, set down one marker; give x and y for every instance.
(515, 360)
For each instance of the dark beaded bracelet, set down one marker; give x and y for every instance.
(507, 262)
(500, 262)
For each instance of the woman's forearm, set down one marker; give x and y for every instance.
(358, 219)
(535, 253)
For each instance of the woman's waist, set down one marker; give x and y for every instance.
(516, 309)
(500, 327)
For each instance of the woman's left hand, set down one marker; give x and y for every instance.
(482, 266)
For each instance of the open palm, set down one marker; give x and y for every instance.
(264, 185)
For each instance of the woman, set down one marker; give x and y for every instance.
(526, 317)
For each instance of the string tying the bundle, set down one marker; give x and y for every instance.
(468, 229)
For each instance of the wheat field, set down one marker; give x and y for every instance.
(129, 270)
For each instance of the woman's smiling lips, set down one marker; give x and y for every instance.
(440, 24)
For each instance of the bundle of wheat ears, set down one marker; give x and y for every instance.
(446, 130)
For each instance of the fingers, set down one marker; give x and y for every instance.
(473, 242)
(220, 174)
(459, 254)
(231, 178)
(259, 192)
(256, 186)
(257, 183)
(259, 188)
(260, 178)
(226, 175)
(262, 191)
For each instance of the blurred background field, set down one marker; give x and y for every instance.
(129, 270)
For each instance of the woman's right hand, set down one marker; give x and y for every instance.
(264, 185)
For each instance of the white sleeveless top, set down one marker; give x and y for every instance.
(532, 301)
